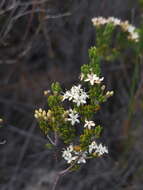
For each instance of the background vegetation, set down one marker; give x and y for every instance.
(45, 41)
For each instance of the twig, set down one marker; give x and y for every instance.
(21, 156)
(51, 141)
(56, 139)
(60, 174)
(3, 142)
(25, 133)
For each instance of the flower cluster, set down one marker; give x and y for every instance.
(76, 95)
(109, 94)
(42, 114)
(97, 149)
(71, 155)
(101, 21)
(125, 26)
(133, 35)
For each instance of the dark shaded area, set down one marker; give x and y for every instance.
(39, 47)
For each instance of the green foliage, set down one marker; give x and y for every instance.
(141, 3)
(87, 111)
(49, 146)
(56, 88)
(141, 39)
(98, 131)
(94, 60)
(43, 126)
(104, 37)
(54, 100)
(67, 133)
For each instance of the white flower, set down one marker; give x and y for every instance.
(70, 148)
(93, 79)
(99, 21)
(124, 25)
(67, 154)
(99, 149)
(80, 98)
(115, 21)
(81, 76)
(76, 89)
(89, 124)
(134, 36)
(92, 146)
(82, 159)
(67, 95)
(131, 29)
(73, 117)
(76, 94)
(71, 159)
(71, 155)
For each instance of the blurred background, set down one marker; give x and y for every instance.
(42, 41)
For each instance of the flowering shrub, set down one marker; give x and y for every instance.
(75, 125)
(114, 36)
(70, 117)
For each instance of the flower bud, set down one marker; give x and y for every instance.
(103, 87)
